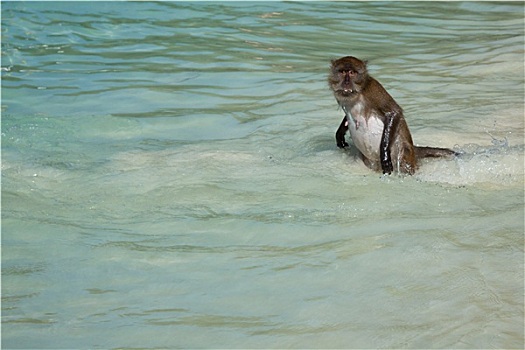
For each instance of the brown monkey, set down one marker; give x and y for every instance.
(376, 123)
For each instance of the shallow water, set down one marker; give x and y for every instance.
(170, 177)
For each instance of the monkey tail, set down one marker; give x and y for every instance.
(434, 152)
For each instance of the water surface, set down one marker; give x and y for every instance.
(170, 177)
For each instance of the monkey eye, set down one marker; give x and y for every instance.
(348, 71)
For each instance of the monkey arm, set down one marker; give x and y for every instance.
(340, 133)
(391, 119)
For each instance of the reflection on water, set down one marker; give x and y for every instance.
(170, 177)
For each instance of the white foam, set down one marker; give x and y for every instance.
(492, 166)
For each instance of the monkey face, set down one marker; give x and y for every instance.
(347, 77)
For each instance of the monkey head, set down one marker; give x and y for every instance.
(347, 77)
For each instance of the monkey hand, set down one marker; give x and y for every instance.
(342, 143)
(386, 165)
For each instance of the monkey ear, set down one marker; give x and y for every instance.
(365, 62)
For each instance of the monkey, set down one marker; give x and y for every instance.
(376, 122)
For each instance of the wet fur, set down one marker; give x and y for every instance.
(369, 108)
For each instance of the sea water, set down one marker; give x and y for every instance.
(170, 177)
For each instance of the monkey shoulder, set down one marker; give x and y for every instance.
(377, 96)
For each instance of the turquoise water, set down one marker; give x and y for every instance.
(170, 177)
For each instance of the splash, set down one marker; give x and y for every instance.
(499, 164)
